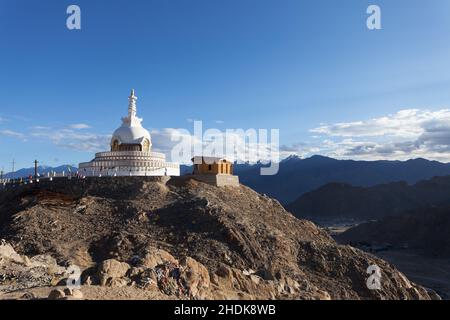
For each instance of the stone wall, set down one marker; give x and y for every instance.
(220, 180)
(116, 187)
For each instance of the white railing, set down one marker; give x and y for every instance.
(40, 176)
(139, 172)
(125, 165)
(130, 171)
(107, 154)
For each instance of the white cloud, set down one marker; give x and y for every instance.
(164, 140)
(407, 123)
(72, 139)
(12, 134)
(407, 134)
(213, 143)
(40, 128)
(79, 126)
(300, 148)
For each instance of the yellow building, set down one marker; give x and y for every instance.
(215, 171)
(211, 165)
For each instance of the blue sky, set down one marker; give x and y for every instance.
(310, 68)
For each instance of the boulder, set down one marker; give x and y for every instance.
(289, 285)
(28, 296)
(194, 276)
(72, 294)
(118, 282)
(256, 279)
(56, 294)
(322, 295)
(8, 253)
(147, 279)
(169, 286)
(68, 291)
(45, 261)
(135, 271)
(77, 294)
(155, 257)
(232, 283)
(111, 269)
(223, 277)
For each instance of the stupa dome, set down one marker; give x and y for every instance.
(131, 136)
(130, 153)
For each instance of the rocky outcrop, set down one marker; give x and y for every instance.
(111, 271)
(188, 240)
(190, 279)
(8, 254)
(194, 276)
(66, 294)
(19, 272)
(155, 257)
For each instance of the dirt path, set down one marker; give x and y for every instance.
(92, 293)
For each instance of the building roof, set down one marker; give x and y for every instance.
(208, 160)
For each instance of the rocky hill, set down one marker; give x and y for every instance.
(337, 200)
(182, 239)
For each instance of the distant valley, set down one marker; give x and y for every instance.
(338, 200)
(416, 241)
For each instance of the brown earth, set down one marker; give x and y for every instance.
(182, 239)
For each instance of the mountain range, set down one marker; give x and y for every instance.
(344, 201)
(42, 170)
(298, 176)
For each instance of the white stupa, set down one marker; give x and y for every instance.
(130, 153)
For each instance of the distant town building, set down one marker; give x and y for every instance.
(215, 171)
(130, 153)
